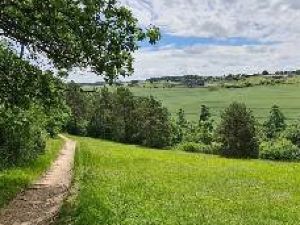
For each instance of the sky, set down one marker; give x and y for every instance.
(217, 37)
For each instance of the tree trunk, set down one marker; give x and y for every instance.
(22, 51)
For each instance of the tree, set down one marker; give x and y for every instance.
(204, 113)
(103, 116)
(114, 118)
(237, 133)
(98, 34)
(152, 123)
(80, 104)
(275, 123)
(22, 135)
(24, 85)
(181, 125)
(265, 73)
(181, 119)
(204, 131)
(120, 116)
(205, 118)
(125, 106)
(32, 104)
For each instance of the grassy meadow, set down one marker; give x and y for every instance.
(259, 98)
(13, 180)
(125, 184)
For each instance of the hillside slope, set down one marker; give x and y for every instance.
(122, 184)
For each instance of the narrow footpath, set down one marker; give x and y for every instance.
(40, 203)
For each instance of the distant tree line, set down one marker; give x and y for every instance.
(294, 72)
(193, 81)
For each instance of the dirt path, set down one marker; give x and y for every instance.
(39, 204)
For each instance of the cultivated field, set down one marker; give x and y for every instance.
(259, 99)
(121, 184)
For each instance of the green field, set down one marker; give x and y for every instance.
(12, 181)
(123, 184)
(259, 99)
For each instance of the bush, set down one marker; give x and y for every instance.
(216, 148)
(292, 133)
(77, 127)
(22, 136)
(32, 104)
(193, 147)
(275, 123)
(199, 134)
(237, 132)
(213, 149)
(280, 149)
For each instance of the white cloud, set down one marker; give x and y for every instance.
(270, 19)
(216, 60)
(264, 20)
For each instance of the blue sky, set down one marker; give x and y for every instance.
(216, 37)
(169, 40)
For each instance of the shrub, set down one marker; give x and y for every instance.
(216, 148)
(198, 133)
(32, 103)
(194, 147)
(77, 127)
(201, 133)
(237, 132)
(23, 85)
(22, 136)
(275, 123)
(56, 120)
(292, 133)
(279, 149)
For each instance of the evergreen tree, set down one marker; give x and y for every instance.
(181, 125)
(275, 123)
(205, 121)
(204, 114)
(237, 132)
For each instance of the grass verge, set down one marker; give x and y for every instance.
(13, 180)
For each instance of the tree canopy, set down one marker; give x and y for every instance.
(96, 34)
(237, 132)
(275, 123)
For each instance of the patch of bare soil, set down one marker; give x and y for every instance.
(39, 204)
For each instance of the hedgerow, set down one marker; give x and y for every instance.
(32, 106)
